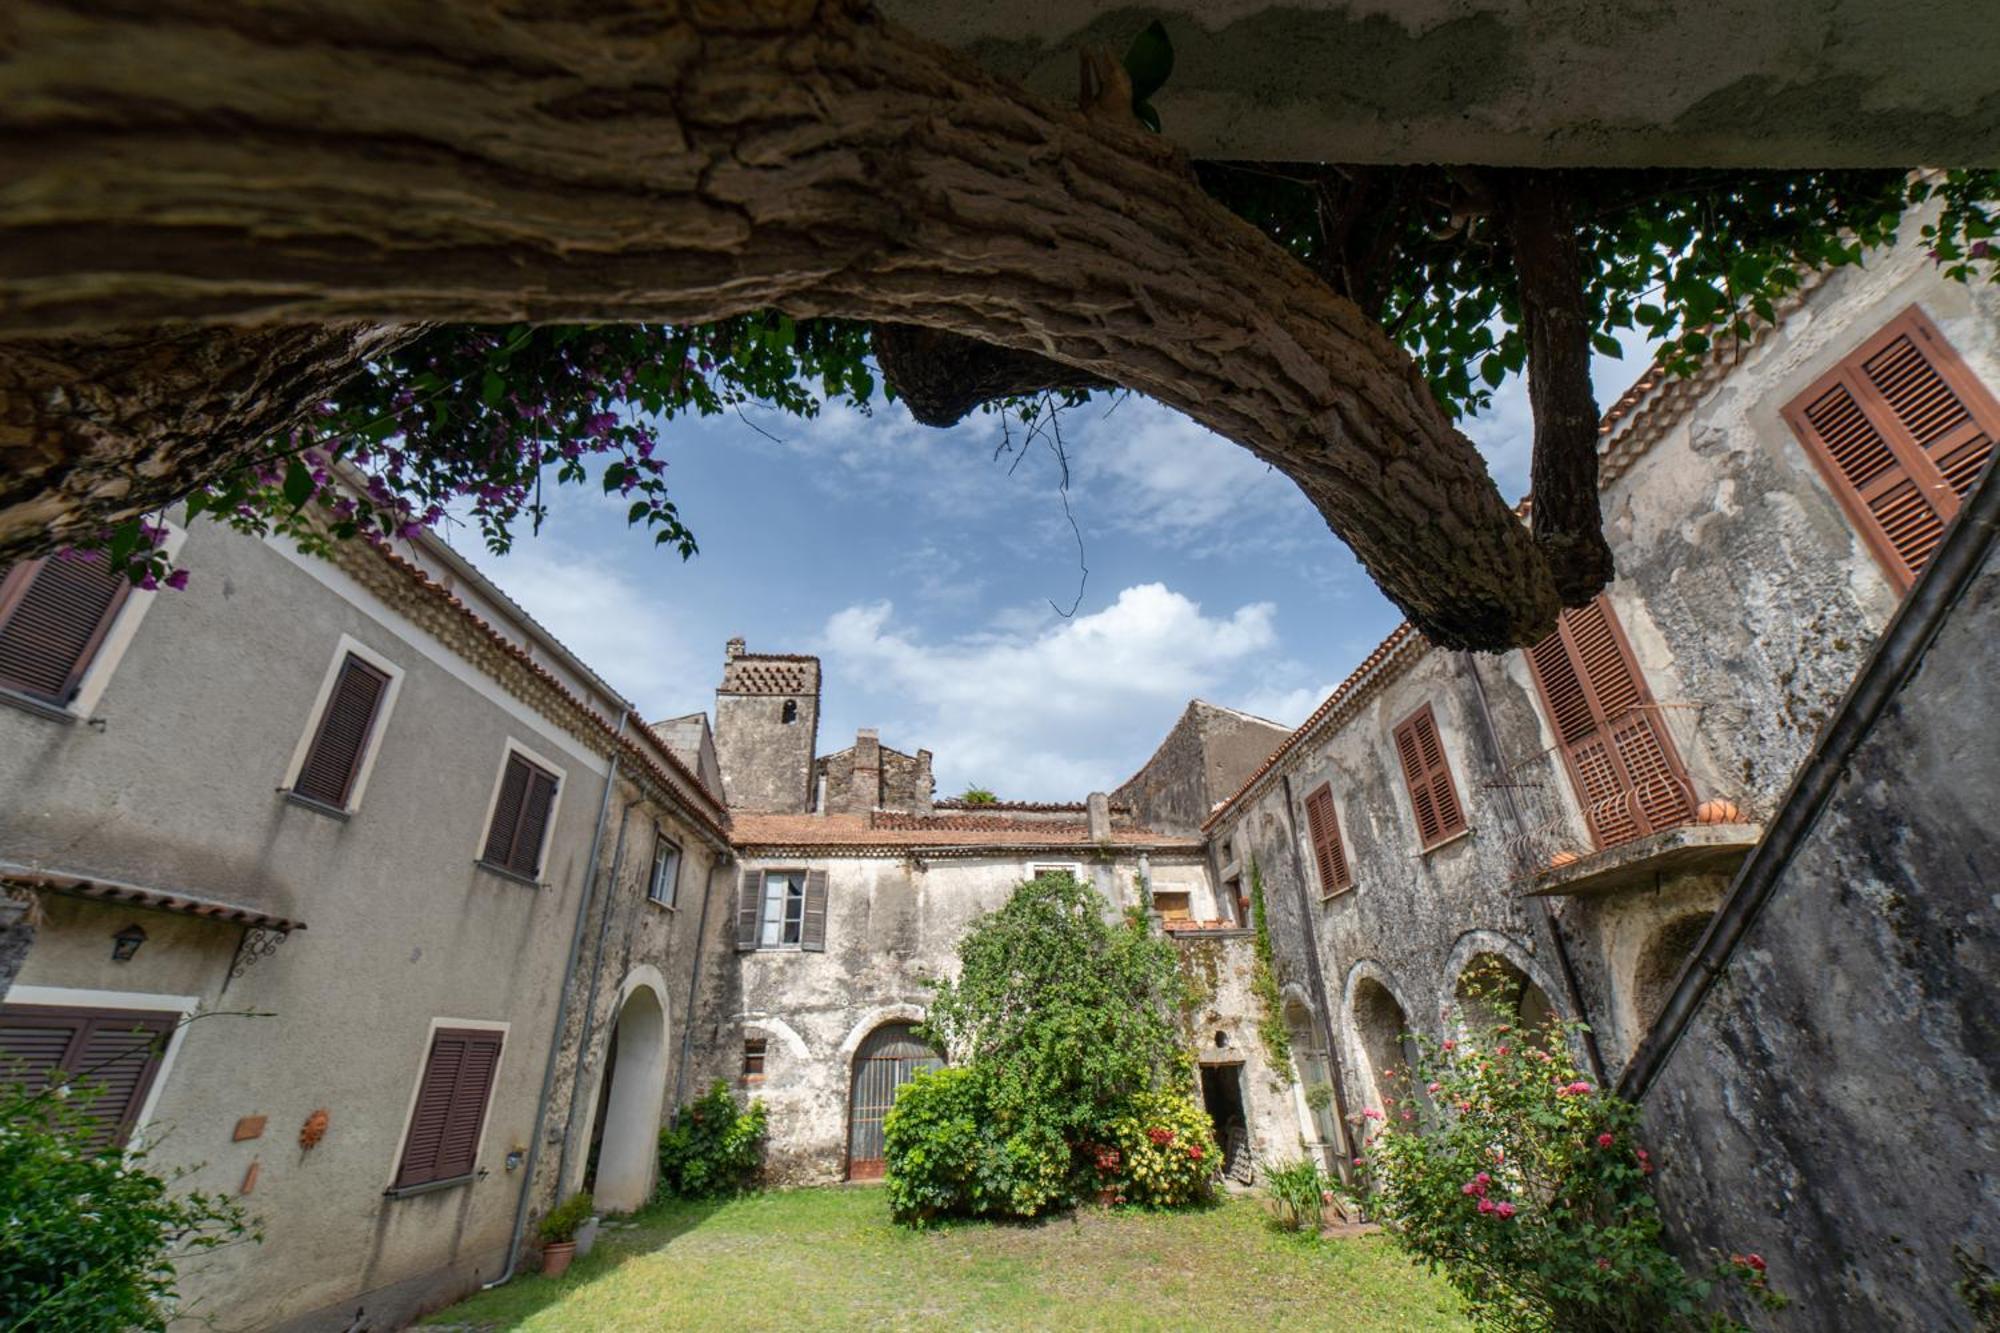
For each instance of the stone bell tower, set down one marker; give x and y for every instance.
(766, 729)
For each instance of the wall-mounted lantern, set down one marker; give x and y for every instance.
(126, 943)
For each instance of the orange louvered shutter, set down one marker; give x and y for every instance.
(1433, 796)
(1628, 778)
(1900, 430)
(1329, 856)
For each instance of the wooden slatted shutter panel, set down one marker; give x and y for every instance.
(812, 927)
(1901, 430)
(110, 1056)
(334, 759)
(1433, 795)
(507, 811)
(1329, 856)
(451, 1106)
(534, 829)
(54, 615)
(1628, 777)
(749, 908)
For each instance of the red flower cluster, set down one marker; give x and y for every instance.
(1161, 1137)
(1194, 1151)
(1108, 1158)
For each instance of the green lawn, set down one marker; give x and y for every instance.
(830, 1258)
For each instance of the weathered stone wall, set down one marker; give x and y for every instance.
(1832, 1103)
(1207, 755)
(901, 782)
(1219, 966)
(766, 730)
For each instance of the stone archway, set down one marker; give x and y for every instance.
(636, 1086)
(1491, 989)
(1381, 1027)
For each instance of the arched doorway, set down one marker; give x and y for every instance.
(1315, 1073)
(887, 1058)
(1384, 1030)
(628, 1119)
(1491, 991)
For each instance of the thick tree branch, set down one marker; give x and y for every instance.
(1568, 527)
(941, 376)
(323, 161)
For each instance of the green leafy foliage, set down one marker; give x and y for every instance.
(713, 1147)
(1504, 1168)
(90, 1238)
(1069, 1069)
(1149, 62)
(1271, 1029)
(1299, 1193)
(564, 1220)
(1163, 1152)
(978, 796)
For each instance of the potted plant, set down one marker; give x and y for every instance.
(559, 1233)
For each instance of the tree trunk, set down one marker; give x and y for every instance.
(941, 377)
(358, 160)
(1567, 524)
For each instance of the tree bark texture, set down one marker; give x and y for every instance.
(941, 377)
(1548, 266)
(310, 162)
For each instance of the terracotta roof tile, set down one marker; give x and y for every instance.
(852, 832)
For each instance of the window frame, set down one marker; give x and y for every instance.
(764, 909)
(394, 1190)
(1345, 881)
(512, 749)
(108, 648)
(671, 899)
(761, 1054)
(1445, 835)
(347, 646)
(177, 1007)
(1074, 869)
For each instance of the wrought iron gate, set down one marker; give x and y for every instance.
(889, 1057)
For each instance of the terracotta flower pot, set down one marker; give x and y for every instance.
(556, 1256)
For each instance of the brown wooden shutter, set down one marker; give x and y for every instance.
(334, 759)
(1433, 795)
(1900, 430)
(1323, 823)
(520, 818)
(110, 1056)
(812, 926)
(748, 908)
(1628, 777)
(54, 615)
(443, 1137)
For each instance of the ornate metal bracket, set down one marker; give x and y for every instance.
(254, 945)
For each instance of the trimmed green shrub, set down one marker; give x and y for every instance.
(89, 1238)
(712, 1147)
(949, 1155)
(1165, 1152)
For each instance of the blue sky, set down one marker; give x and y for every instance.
(921, 569)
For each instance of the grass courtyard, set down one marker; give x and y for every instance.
(830, 1258)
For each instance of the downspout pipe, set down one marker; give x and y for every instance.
(1952, 570)
(1316, 978)
(719, 866)
(590, 994)
(562, 1021)
(1572, 988)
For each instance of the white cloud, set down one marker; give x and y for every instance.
(1162, 473)
(1290, 707)
(1045, 709)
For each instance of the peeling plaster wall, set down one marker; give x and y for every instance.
(1220, 966)
(891, 924)
(1832, 1102)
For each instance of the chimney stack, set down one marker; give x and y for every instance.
(734, 649)
(1099, 806)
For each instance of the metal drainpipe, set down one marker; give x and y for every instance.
(590, 993)
(562, 1020)
(715, 868)
(1563, 964)
(1317, 980)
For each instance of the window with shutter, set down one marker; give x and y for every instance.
(333, 761)
(54, 615)
(520, 818)
(108, 1058)
(1900, 430)
(1329, 856)
(1627, 774)
(664, 883)
(442, 1141)
(1433, 795)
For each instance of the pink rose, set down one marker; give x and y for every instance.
(1506, 1210)
(1486, 1205)
(1605, 1140)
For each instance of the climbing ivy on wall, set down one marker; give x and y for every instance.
(1271, 1028)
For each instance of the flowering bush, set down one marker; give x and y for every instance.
(89, 1238)
(1162, 1152)
(1523, 1183)
(712, 1147)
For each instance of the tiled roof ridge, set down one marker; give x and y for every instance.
(775, 657)
(1046, 807)
(658, 764)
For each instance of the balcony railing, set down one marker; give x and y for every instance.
(1625, 782)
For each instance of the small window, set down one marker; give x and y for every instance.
(1239, 901)
(1427, 775)
(333, 762)
(665, 881)
(107, 1057)
(520, 818)
(784, 908)
(1328, 854)
(54, 615)
(442, 1143)
(790, 712)
(1172, 904)
(1070, 868)
(753, 1059)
